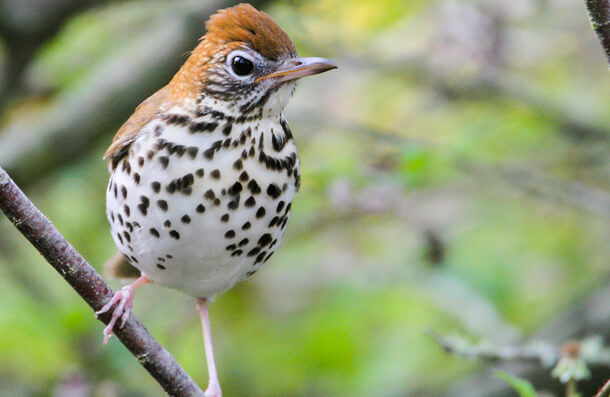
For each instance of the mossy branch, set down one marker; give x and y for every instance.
(92, 288)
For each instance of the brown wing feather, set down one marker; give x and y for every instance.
(128, 132)
(117, 267)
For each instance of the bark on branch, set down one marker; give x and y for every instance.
(599, 15)
(92, 288)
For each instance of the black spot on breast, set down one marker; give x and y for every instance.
(174, 234)
(126, 209)
(246, 226)
(178, 119)
(209, 194)
(280, 206)
(150, 154)
(230, 234)
(143, 206)
(140, 161)
(127, 236)
(162, 204)
(160, 144)
(199, 172)
(192, 151)
(260, 212)
(254, 187)
(227, 129)
(238, 165)
(202, 127)
(136, 178)
(200, 208)
(250, 202)
(209, 153)
(120, 218)
(124, 191)
(244, 242)
(167, 223)
(273, 221)
(244, 176)
(185, 219)
(278, 143)
(264, 240)
(260, 257)
(160, 266)
(254, 251)
(285, 128)
(234, 203)
(224, 218)
(164, 160)
(237, 253)
(215, 174)
(230, 247)
(236, 188)
(127, 167)
(273, 191)
(156, 187)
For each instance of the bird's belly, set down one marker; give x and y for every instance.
(196, 224)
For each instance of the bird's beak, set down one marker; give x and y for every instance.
(300, 67)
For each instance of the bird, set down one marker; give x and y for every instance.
(204, 172)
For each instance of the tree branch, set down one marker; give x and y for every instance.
(92, 288)
(599, 15)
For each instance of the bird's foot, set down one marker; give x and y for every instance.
(123, 299)
(213, 390)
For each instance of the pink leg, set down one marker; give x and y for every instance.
(214, 386)
(124, 297)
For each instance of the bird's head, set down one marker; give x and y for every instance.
(245, 63)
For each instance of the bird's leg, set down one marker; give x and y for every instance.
(213, 389)
(124, 297)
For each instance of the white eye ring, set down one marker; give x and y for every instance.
(241, 54)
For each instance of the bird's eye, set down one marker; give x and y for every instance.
(241, 66)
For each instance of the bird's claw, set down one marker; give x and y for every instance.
(124, 297)
(213, 391)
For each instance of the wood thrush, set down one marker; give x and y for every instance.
(204, 172)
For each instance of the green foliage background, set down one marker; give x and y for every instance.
(406, 146)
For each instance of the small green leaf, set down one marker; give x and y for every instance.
(522, 386)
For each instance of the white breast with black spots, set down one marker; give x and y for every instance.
(199, 209)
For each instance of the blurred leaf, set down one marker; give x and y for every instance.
(521, 386)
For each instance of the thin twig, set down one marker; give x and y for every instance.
(92, 288)
(537, 353)
(599, 15)
(605, 390)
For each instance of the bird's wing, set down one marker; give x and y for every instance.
(118, 267)
(128, 132)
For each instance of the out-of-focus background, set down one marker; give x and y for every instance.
(456, 178)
